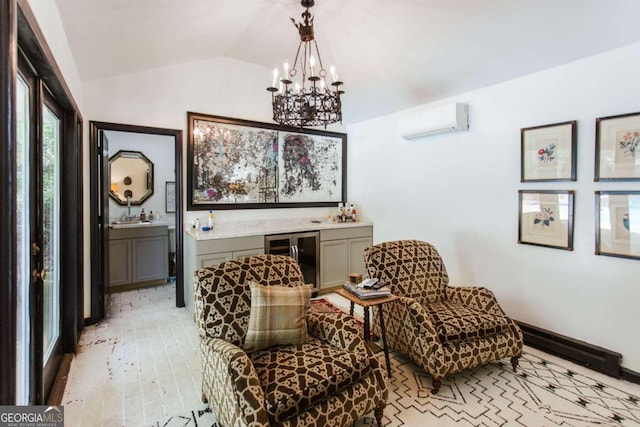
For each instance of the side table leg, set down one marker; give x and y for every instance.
(351, 309)
(384, 341)
(367, 333)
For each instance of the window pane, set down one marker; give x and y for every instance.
(24, 239)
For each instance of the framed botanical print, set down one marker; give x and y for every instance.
(548, 152)
(546, 218)
(241, 164)
(618, 148)
(618, 223)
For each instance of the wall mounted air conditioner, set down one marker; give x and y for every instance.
(435, 120)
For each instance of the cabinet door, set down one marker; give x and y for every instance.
(247, 252)
(150, 258)
(333, 263)
(119, 262)
(356, 254)
(212, 259)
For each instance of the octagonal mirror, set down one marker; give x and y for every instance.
(130, 177)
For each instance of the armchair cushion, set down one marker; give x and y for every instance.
(455, 322)
(295, 378)
(277, 316)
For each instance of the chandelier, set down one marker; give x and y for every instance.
(303, 96)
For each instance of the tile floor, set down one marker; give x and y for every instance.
(142, 364)
(136, 367)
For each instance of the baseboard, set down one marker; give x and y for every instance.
(60, 382)
(580, 352)
(629, 375)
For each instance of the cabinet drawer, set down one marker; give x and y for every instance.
(345, 233)
(229, 245)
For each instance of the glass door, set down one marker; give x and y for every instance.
(38, 182)
(307, 249)
(49, 203)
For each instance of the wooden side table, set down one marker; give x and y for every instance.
(365, 304)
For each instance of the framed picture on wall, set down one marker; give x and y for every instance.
(548, 152)
(546, 218)
(170, 196)
(618, 223)
(241, 164)
(618, 148)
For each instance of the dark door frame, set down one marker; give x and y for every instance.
(99, 223)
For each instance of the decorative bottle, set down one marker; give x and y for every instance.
(210, 219)
(143, 216)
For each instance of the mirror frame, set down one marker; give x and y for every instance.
(131, 154)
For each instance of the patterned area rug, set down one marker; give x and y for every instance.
(540, 393)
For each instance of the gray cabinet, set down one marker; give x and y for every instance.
(204, 253)
(342, 253)
(138, 256)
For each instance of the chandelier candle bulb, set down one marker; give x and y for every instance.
(312, 65)
(286, 70)
(334, 76)
(275, 77)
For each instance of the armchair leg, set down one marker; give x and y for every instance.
(379, 412)
(436, 382)
(204, 398)
(514, 362)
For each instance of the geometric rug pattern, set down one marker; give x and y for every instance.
(540, 393)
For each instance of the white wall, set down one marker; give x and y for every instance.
(460, 192)
(159, 149)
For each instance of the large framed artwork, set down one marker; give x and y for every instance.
(242, 164)
(618, 223)
(618, 148)
(548, 152)
(546, 218)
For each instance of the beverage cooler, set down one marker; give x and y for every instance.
(303, 247)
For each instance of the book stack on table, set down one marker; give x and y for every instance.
(369, 288)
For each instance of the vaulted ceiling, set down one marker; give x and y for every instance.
(391, 54)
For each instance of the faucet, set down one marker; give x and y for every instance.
(128, 208)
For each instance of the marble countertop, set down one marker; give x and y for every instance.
(141, 224)
(231, 229)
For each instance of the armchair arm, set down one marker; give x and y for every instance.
(231, 385)
(476, 297)
(337, 329)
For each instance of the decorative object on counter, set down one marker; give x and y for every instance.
(143, 216)
(618, 148)
(548, 152)
(170, 196)
(151, 216)
(346, 213)
(210, 220)
(309, 101)
(618, 223)
(240, 164)
(133, 170)
(545, 218)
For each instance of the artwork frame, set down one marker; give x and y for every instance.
(170, 196)
(243, 164)
(545, 218)
(617, 156)
(549, 152)
(616, 214)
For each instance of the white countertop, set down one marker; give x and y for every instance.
(231, 229)
(140, 224)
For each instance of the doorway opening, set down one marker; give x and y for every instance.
(163, 196)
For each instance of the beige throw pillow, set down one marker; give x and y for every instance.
(278, 316)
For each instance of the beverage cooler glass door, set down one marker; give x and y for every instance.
(307, 253)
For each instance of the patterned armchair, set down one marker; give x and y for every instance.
(332, 380)
(443, 329)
